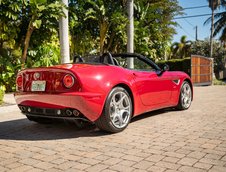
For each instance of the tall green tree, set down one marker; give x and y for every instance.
(181, 49)
(40, 11)
(154, 26)
(104, 24)
(220, 23)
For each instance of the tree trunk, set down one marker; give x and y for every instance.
(111, 41)
(103, 32)
(26, 43)
(64, 35)
(130, 32)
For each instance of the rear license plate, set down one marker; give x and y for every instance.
(38, 86)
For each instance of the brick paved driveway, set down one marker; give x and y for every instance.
(166, 140)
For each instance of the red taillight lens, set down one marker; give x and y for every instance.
(19, 81)
(68, 81)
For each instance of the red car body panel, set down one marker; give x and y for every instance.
(93, 83)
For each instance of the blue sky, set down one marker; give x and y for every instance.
(187, 25)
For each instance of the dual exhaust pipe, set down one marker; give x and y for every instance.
(70, 112)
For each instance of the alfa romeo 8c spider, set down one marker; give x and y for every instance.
(101, 89)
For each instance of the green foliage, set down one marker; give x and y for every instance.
(34, 23)
(178, 65)
(45, 55)
(10, 65)
(181, 49)
(2, 92)
(99, 26)
(103, 23)
(154, 26)
(220, 18)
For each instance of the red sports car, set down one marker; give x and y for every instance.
(101, 89)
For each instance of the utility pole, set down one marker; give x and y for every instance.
(64, 36)
(130, 33)
(196, 33)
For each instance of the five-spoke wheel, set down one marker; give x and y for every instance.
(185, 96)
(117, 111)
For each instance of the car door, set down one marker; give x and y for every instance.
(153, 89)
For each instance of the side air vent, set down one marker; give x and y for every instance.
(176, 81)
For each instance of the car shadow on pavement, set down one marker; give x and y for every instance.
(23, 129)
(152, 113)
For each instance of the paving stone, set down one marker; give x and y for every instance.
(97, 167)
(217, 169)
(80, 166)
(224, 158)
(112, 161)
(22, 168)
(155, 158)
(156, 168)
(208, 146)
(89, 161)
(118, 167)
(127, 163)
(174, 154)
(187, 161)
(43, 165)
(212, 161)
(108, 170)
(143, 165)
(213, 156)
(171, 159)
(196, 154)
(203, 165)
(132, 158)
(30, 161)
(168, 165)
(190, 169)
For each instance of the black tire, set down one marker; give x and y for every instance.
(182, 105)
(39, 119)
(122, 116)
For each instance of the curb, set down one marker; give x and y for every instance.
(8, 108)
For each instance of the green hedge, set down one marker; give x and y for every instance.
(177, 65)
(2, 92)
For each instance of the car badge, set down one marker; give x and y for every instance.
(36, 75)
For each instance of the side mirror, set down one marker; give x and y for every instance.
(166, 67)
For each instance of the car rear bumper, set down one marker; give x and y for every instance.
(88, 104)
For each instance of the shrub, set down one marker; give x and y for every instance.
(178, 65)
(2, 92)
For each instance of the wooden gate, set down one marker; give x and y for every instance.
(201, 70)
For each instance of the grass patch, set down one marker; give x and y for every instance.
(219, 82)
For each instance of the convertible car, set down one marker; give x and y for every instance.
(101, 89)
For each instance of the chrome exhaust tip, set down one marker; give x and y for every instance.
(76, 113)
(68, 112)
(22, 108)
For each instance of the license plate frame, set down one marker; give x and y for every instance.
(38, 86)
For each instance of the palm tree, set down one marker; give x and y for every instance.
(220, 24)
(181, 48)
(213, 4)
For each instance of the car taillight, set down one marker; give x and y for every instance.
(19, 81)
(68, 81)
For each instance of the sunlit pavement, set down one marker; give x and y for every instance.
(165, 140)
